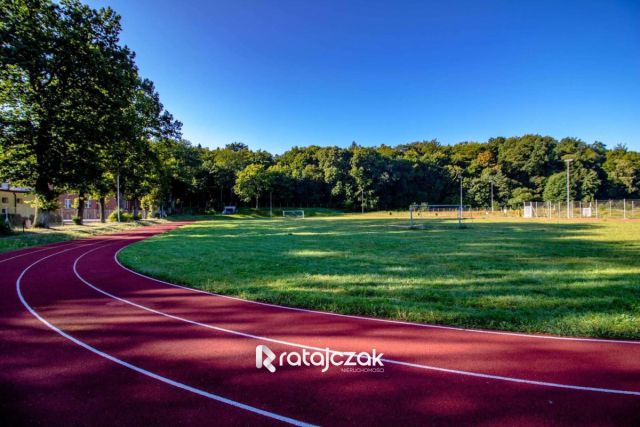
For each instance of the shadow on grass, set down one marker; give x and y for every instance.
(570, 279)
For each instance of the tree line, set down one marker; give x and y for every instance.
(518, 169)
(77, 116)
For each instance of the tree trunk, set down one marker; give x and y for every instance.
(136, 208)
(42, 218)
(256, 202)
(80, 210)
(102, 216)
(46, 197)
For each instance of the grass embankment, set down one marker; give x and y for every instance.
(579, 279)
(43, 236)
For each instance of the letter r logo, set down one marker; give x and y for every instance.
(270, 357)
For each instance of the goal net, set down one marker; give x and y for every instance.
(419, 213)
(293, 214)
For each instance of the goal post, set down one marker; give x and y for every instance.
(419, 211)
(293, 214)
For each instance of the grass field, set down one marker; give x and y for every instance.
(41, 236)
(579, 279)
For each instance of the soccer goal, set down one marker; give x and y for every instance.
(425, 210)
(293, 214)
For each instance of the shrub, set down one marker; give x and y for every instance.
(124, 216)
(76, 220)
(5, 228)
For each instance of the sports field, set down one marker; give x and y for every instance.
(567, 278)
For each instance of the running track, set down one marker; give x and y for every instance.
(86, 342)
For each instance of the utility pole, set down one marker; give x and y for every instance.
(460, 209)
(568, 161)
(118, 195)
(491, 196)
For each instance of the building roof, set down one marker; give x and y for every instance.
(5, 186)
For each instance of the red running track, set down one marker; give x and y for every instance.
(87, 342)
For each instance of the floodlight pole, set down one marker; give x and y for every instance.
(491, 196)
(568, 161)
(118, 195)
(460, 209)
(410, 216)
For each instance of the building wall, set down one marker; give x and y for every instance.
(16, 203)
(91, 209)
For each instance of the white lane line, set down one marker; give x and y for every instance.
(373, 319)
(140, 370)
(35, 252)
(390, 361)
(57, 245)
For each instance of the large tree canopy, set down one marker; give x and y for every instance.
(72, 106)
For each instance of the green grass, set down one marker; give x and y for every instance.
(567, 278)
(277, 212)
(40, 236)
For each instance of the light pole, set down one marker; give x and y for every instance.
(568, 161)
(118, 195)
(491, 196)
(460, 209)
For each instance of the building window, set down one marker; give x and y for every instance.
(4, 211)
(18, 200)
(67, 203)
(88, 204)
(5, 200)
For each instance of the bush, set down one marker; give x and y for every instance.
(5, 228)
(76, 220)
(124, 216)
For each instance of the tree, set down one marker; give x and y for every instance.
(556, 188)
(252, 182)
(519, 196)
(527, 159)
(62, 70)
(622, 168)
(367, 172)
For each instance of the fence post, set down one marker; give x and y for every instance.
(596, 208)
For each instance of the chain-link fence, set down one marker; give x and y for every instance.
(600, 209)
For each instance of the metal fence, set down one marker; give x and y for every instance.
(599, 209)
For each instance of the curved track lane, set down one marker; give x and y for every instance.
(86, 341)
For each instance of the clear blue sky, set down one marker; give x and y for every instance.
(279, 73)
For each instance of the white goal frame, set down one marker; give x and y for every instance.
(295, 216)
(427, 208)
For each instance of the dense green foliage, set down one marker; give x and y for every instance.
(124, 216)
(562, 278)
(520, 169)
(5, 229)
(74, 112)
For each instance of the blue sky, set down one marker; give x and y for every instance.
(279, 73)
